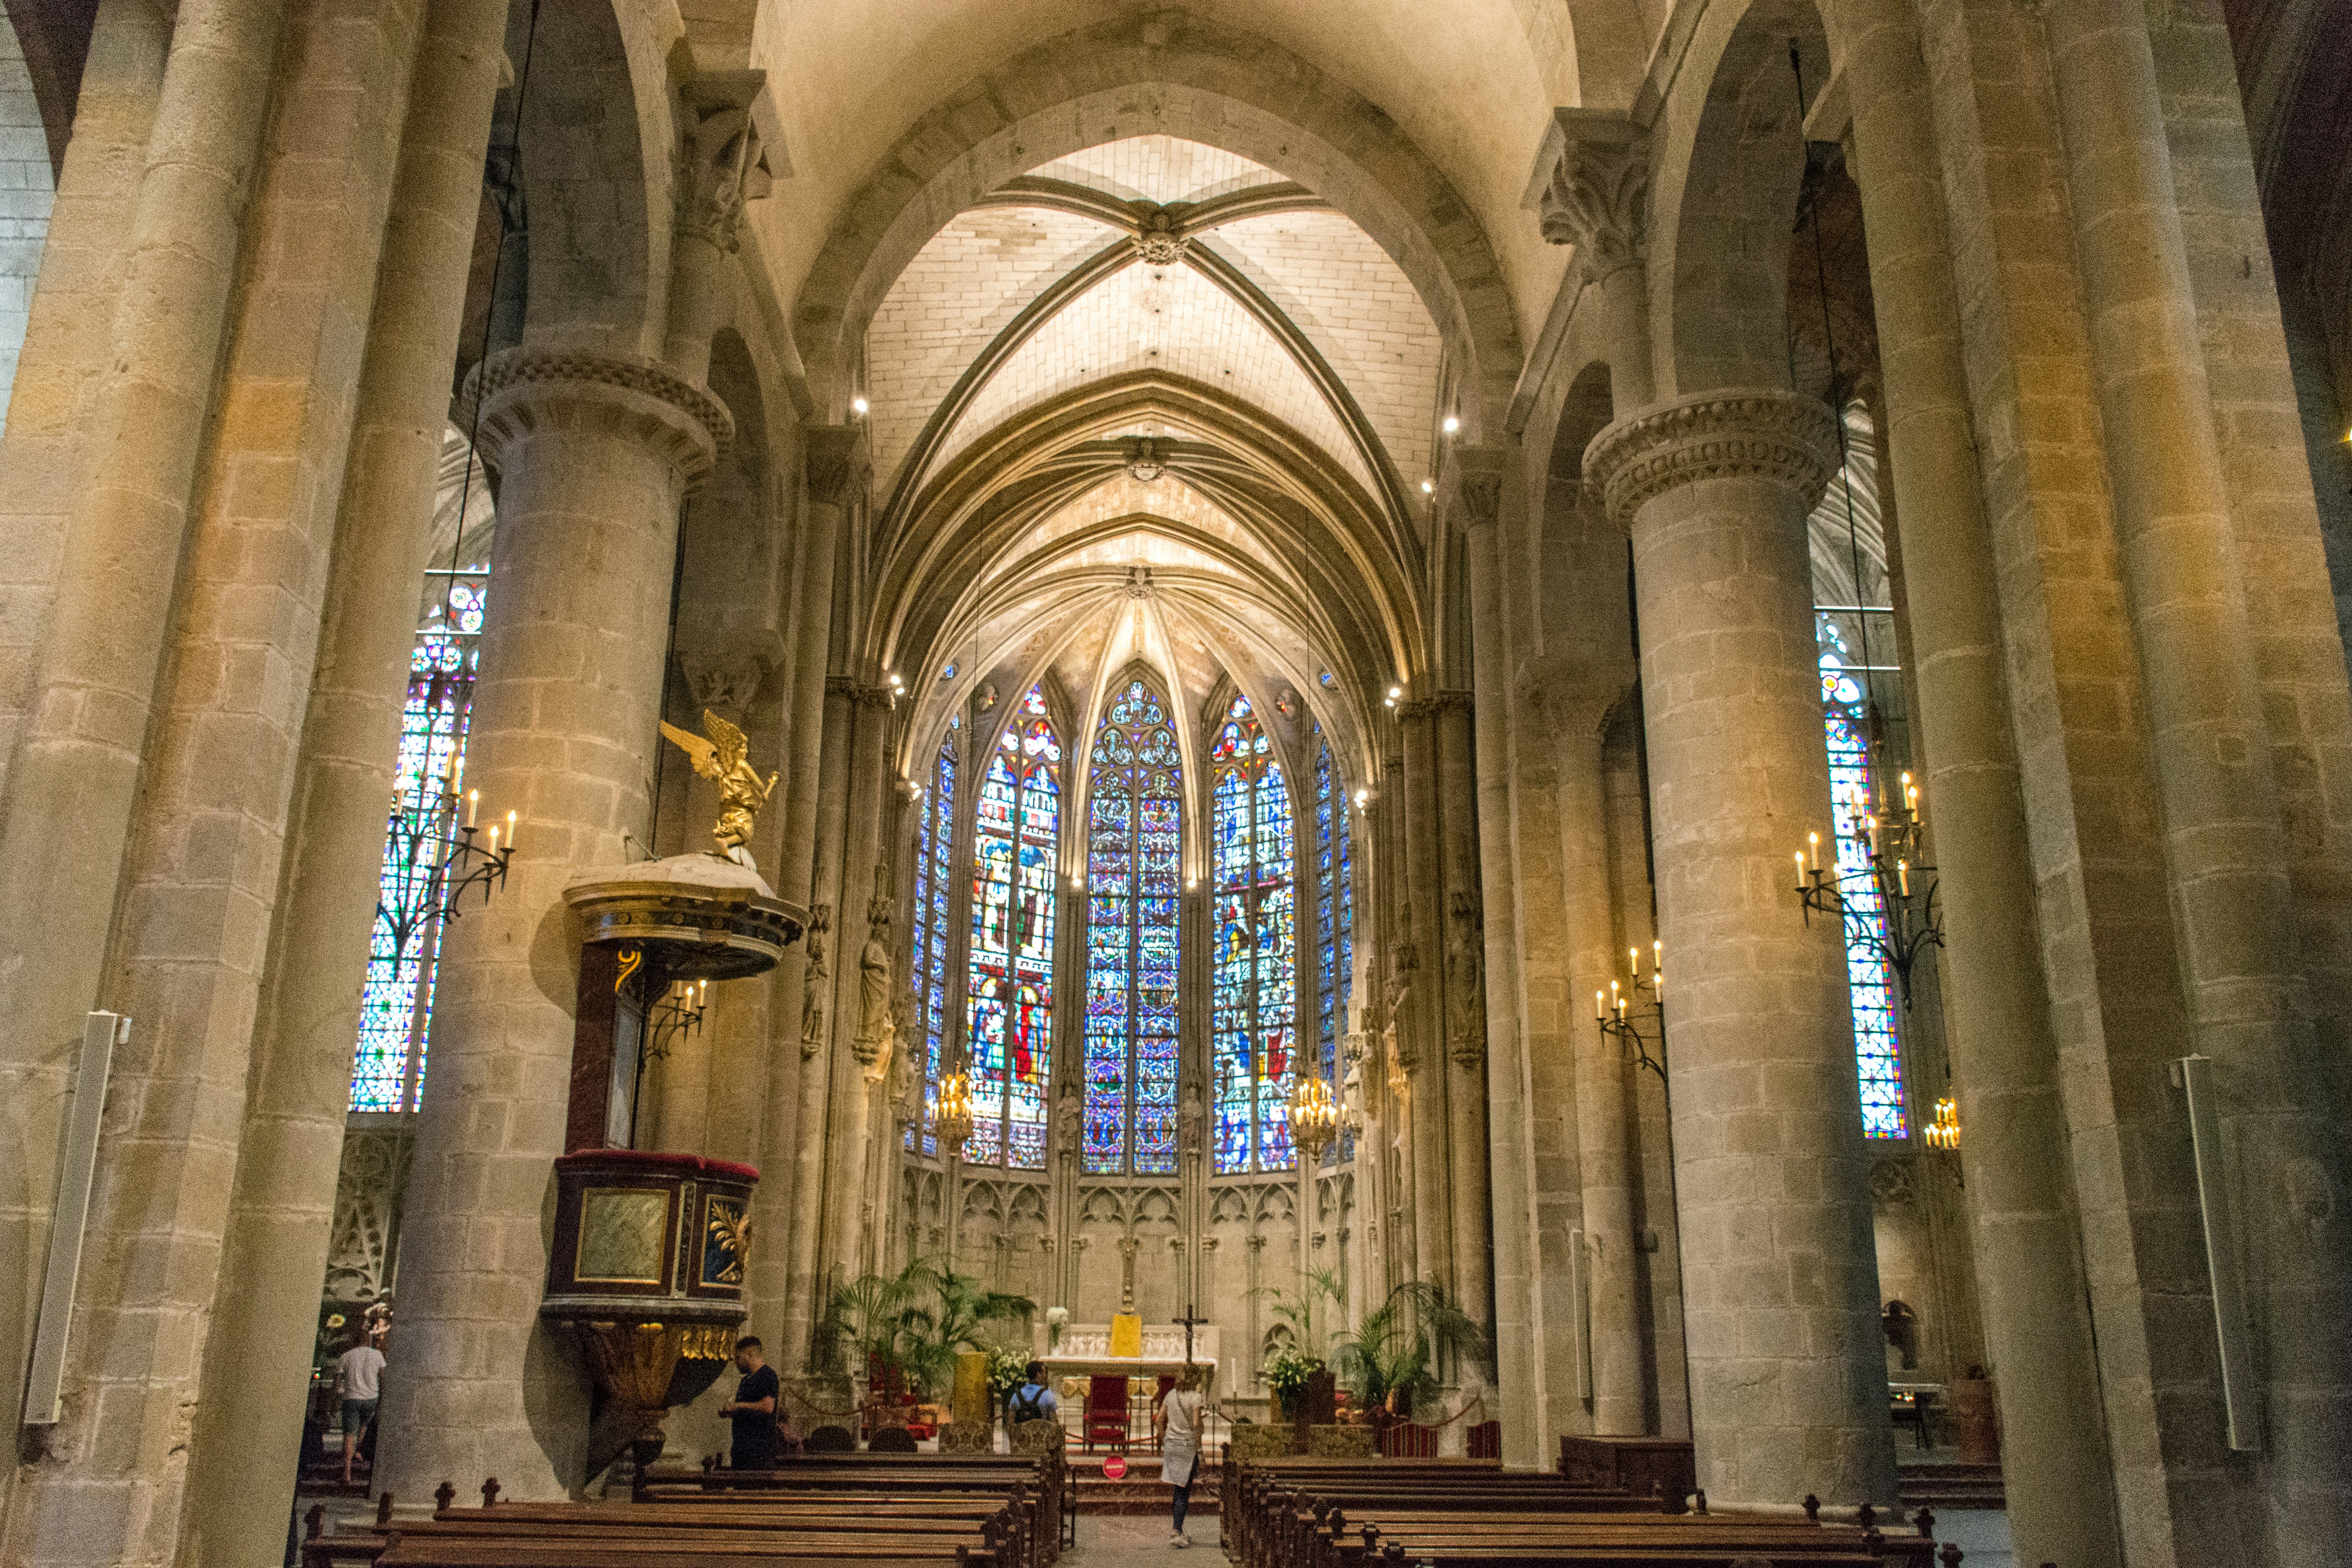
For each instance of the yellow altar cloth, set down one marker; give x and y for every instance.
(1126, 1333)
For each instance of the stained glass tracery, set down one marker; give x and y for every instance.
(1335, 915)
(387, 1074)
(934, 856)
(1253, 1003)
(1134, 866)
(1010, 1015)
(1878, 1051)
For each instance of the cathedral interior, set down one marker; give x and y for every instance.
(1115, 646)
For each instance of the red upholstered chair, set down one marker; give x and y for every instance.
(1107, 1413)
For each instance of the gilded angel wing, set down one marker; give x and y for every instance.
(729, 741)
(704, 754)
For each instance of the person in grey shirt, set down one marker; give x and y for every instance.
(361, 1369)
(1179, 1422)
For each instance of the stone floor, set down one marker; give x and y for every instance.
(1126, 1541)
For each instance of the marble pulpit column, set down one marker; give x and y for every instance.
(595, 454)
(2004, 1052)
(1788, 1378)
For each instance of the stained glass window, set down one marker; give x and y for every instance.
(934, 853)
(1010, 1020)
(1335, 915)
(396, 998)
(1134, 869)
(1253, 1001)
(1878, 1052)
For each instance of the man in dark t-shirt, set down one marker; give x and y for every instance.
(753, 1409)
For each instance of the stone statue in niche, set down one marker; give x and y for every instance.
(874, 1025)
(1468, 961)
(1403, 959)
(813, 990)
(1191, 1121)
(1069, 1121)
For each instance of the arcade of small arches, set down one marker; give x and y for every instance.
(1200, 562)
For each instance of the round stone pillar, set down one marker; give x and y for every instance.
(595, 455)
(1788, 1381)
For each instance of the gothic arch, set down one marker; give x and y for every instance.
(1172, 72)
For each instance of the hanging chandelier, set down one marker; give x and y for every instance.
(1943, 1133)
(951, 1119)
(1316, 1118)
(1885, 849)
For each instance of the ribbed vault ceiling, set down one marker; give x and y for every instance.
(1151, 402)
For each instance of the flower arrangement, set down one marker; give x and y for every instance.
(1006, 1371)
(1286, 1372)
(1055, 1318)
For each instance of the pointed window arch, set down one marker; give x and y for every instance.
(934, 857)
(1335, 913)
(1010, 1022)
(1255, 998)
(1134, 878)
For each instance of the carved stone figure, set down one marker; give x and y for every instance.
(874, 981)
(1468, 962)
(813, 992)
(1069, 1122)
(1403, 960)
(1191, 1121)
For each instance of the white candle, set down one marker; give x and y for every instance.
(473, 799)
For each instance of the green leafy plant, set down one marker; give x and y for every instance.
(911, 1326)
(1297, 1312)
(1390, 1358)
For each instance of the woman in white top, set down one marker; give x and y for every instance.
(1178, 1422)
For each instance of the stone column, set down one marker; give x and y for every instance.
(242, 1450)
(1420, 1012)
(1788, 1384)
(2232, 896)
(863, 919)
(828, 459)
(595, 454)
(2061, 1496)
(1598, 201)
(722, 166)
(81, 701)
(1463, 1043)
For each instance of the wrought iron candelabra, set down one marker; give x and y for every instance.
(1630, 1006)
(1905, 888)
(440, 857)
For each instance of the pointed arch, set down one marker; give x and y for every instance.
(1134, 892)
(1016, 845)
(1255, 926)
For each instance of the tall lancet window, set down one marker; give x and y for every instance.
(1134, 873)
(396, 997)
(1335, 910)
(1010, 1025)
(1255, 1007)
(934, 855)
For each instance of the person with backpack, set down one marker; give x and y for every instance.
(1032, 1401)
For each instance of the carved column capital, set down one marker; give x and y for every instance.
(1592, 189)
(523, 391)
(1481, 470)
(720, 161)
(1751, 433)
(835, 461)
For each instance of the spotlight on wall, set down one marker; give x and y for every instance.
(858, 405)
(1451, 424)
(1363, 798)
(1396, 692)
(1429, 487)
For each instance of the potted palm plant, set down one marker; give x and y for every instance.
(909, 1327)
(1390, 1361)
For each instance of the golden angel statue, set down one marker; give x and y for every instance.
(722, 759)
